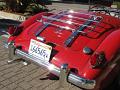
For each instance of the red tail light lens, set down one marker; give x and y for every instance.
(14, 30)
(98, 60)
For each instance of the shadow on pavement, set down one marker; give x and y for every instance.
(50, 77)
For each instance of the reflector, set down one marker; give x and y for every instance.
(98, 60)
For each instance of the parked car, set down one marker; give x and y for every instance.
(85, 45)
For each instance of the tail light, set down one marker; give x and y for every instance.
(14, 30)
(98, 60)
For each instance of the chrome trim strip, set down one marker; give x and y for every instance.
(92, 15)
(72, 11)
(65, 21)
(72, 78)
(71, 16)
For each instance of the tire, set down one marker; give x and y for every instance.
(115, 84)
(118, 82)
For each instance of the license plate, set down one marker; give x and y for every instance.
(40, 50)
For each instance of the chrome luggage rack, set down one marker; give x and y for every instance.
(48, 20)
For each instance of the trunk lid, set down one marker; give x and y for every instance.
(59, 29)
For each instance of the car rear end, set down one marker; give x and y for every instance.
(66, 41)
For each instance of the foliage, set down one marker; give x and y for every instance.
(118, 4)
(21, 5)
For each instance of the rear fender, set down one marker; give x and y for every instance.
(30, 21)
(111, 46)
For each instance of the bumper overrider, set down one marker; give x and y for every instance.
(71, 77)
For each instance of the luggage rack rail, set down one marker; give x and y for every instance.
(61, 27)
(64, 21)
(75, 17)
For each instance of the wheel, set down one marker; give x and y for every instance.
(114, 78)
(115, 85)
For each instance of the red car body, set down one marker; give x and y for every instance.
(88, 42)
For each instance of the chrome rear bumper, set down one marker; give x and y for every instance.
(72, 78)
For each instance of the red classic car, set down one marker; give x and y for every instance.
(82, 45)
